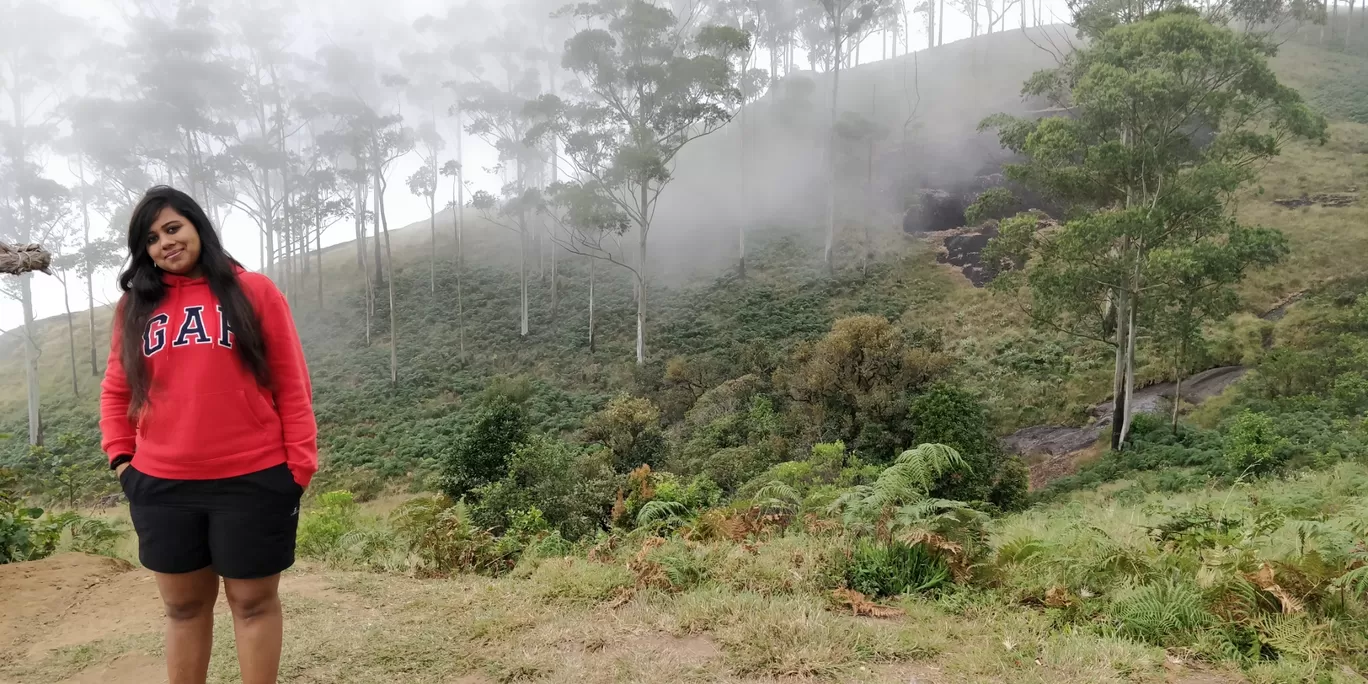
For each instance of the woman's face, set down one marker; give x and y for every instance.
(174, 244)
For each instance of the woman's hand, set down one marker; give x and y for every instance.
(118, 472)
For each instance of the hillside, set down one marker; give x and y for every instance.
(745, 507)
(697, 312)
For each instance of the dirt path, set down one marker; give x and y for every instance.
(75, 619)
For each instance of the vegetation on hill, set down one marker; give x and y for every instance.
(811, 437)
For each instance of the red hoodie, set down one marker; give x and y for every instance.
(206, 417)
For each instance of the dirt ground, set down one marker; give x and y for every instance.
(77, 619)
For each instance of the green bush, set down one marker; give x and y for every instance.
(24, 535)
(322, 527)
(572, 487)
(894, 568)
(1011, 492)
(482, 453)
(1253, 445)
(948, 415)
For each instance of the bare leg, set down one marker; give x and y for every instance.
(258, 626)
(189, 599)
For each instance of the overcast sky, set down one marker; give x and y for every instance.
(343, 21)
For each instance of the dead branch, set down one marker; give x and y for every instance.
(19, 259)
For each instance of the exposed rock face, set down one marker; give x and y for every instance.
(1055, 445)
(1324, 199)
(964, 248)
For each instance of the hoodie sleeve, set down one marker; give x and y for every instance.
(118, 436)
(289, 379)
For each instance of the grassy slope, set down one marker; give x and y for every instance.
(751, 616)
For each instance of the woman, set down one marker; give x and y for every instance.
(207, 417)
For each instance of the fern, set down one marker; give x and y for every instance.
(1164, 613)
(778, 497)
(1354, 582)
(1020, 550)
(904, 483)
(661, 511)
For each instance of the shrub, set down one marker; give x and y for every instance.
(570, 486)
(1011, 492)
(1252, 444)
(629, 427)
(321, 528)
(894, 568)
(855, 382)
(731, 447)
(947, 415)
(94, 535)
(444, 539)
(24, 535)
(481, 454)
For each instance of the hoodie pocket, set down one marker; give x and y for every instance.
(211, 425)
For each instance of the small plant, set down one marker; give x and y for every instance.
(321, 529)
(444, 539)
(894, 568)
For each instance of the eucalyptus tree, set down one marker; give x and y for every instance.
(1167, 118)
(500, 116)
(254, 150)
(653, 84)
(185, 95)
(592, 225)
(834, 27)
(102, 155)
(37, 43)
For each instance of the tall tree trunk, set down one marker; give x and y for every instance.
(930, 23)
(555, 277)
(522, 277)
(318, 240)
(828, 254)
(366, 273)
(869, 186)
(71, 333)
(460, 312)
(359, 202)
(591, 304)
(432, 256)
(383, 224)
(379, 258)
(641, 278)
(745, 198)
(35, 426)
(940, 38)
(1122, 313)
(89, 271)
(1130, 372)
(1180, 358)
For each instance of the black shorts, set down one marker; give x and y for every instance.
(243, 527)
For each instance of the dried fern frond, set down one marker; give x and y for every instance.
(861, 605)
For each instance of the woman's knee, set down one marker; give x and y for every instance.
(189, 596)
(253, 598)
(186, 608)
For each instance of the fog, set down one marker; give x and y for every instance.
(210, 94)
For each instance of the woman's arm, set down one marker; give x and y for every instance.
(118, 435)
(289, 379)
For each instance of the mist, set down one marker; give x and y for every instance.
(99, 91)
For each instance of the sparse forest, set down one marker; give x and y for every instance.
(755, 339)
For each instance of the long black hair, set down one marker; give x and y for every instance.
(144, 290)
